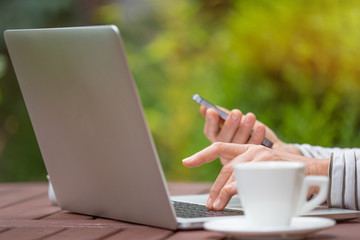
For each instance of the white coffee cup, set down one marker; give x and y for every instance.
(272, 193)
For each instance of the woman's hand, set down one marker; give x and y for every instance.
(225, 187)
(237, 129)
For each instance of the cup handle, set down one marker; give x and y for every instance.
(320, 181)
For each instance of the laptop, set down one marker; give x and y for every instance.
(92, 132)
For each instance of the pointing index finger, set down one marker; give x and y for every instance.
(214, 151)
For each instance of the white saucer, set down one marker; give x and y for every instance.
(299, 227)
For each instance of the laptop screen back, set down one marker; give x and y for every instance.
(89, 123)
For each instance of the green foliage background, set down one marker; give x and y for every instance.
(293, 63)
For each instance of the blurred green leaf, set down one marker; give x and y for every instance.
(293, 63)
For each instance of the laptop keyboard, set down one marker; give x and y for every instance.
(191, 210)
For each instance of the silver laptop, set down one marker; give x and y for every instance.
(91, 129)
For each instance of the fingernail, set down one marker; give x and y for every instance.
(209, 203)
(248, 120)
(186, 160)
(234, 116)
(217, 204)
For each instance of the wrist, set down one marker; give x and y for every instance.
(319, 167)
(286, 147)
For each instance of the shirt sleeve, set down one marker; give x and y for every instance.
(344, 170)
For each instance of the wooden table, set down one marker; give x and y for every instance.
(26, 213)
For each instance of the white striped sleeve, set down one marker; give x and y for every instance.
(317, 151)
(344, 177)
(336, 176)
(350, 190)
(344, 174)
(357, 179)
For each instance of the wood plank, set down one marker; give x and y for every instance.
(347, 230)
(22, 185)
(65, 215)
(31, 209)
(32, 233)
(198, 235)
(135, 231)
(141, 232)
(33, 217)
(12, 193)
(107, 221)
(49, 223)
(84, 233)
